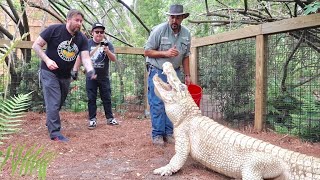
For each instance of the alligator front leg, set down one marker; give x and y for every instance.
(182, 149)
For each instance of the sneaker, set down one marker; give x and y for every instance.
(169, 139)
(158, 141)
(60, 138)
(112, 121)
(92, 124)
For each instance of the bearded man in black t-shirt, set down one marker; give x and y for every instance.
(64, 43)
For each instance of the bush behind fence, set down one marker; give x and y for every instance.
(226, 72)
(127, 86)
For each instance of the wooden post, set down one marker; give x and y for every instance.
(145, 99)
(193, 63)
(261, 82)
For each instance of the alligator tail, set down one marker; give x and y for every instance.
(301, 166)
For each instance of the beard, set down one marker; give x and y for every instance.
(175, 26)
(75, 29)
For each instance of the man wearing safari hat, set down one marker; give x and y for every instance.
(168, 42)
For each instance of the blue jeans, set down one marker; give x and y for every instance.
(161, 124)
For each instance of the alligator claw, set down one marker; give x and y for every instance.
(163, 171)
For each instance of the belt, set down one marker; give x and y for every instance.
(150, 66)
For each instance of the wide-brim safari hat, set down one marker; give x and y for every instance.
(177, 10)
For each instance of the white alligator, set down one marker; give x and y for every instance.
(221, 149)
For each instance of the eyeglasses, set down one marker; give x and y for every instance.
(99, 32)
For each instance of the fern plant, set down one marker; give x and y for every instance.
(313, 7)
(23, 160)
(11, 110)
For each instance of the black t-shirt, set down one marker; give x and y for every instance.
(99, 59)
(63, 48)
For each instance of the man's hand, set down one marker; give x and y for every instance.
(91, 74)
(74, 75)
(106, 49)
(51, 64)
(187, 80)
(172, 52)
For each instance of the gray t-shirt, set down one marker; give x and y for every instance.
(163, 38)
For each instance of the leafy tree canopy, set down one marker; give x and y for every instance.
(129, 25)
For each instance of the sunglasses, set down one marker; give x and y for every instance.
(99, 32)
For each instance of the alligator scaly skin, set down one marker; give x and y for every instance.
(221, 149)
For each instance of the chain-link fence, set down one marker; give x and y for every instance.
(226, 73)
(126, 77)
(127, 86)
(293, 83)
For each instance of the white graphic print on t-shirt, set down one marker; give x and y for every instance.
(67, 51)
(98, 57)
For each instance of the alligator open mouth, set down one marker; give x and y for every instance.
(171, 91)
(164, 86)
(163, 90)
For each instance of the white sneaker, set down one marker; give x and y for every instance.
(112, 121)
(92, 124)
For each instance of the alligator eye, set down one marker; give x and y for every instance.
(182, 88)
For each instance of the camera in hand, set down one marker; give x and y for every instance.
(104, 43)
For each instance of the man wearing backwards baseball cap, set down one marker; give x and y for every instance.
(168, 42)
(101, 52)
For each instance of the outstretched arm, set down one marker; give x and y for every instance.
(38, 48)
(75, 69)
(87, 63)
(186, 70)
(77, 64)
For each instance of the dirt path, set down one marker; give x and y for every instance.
(118, 152)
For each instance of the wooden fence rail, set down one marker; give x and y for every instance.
(260, 32)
